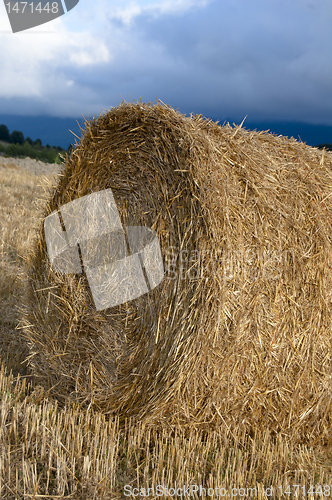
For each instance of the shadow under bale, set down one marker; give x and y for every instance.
(238, 333)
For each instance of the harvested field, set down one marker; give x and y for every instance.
(56, 444)
(22, 192)
(35, 167)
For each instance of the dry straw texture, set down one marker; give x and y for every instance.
(238, 334)
(49, 452)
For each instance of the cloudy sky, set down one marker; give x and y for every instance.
(268, 59)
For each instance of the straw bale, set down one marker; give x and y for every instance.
(238, 333)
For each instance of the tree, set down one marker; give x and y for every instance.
(325, 145)
(4, 133)
(27, 150)
(29, 140)
(16, 137)
(37, 142)
(13, 150)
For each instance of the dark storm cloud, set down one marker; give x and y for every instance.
(265, 59)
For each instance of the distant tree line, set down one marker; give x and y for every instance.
(19, 146)
(325, 145)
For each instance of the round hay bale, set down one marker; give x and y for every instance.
(238, 332)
